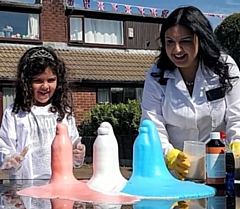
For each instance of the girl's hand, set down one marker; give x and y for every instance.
(78, 154)
(12, 163)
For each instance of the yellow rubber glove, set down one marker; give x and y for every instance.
(177, 161)
(235, 147)
(181, 204)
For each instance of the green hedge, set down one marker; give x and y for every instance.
(124, 118)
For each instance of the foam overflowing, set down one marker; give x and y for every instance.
(150, 182)
(63, 184)
(151, 178)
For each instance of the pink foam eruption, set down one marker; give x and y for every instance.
(63, 184)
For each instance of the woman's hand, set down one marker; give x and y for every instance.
(177, 161)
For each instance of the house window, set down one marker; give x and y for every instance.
(8, 97)
(103, 95)
(119, 95)
(129, 94)
(116, 95)
(139, 92)
(19, 25)
(76, 29)
(96, 31)
(103, 31)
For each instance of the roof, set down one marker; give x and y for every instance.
(86, 64)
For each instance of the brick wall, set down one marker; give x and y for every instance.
(53, 21)
(84, 99)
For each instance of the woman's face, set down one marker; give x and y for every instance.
(182, 47)
(44, 86)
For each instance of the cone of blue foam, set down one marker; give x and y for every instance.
(150, 177)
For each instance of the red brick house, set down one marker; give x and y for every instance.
(107, 53)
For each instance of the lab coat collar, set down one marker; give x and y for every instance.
(176, 73)
(200, 82)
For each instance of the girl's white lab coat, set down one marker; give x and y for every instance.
(37, 130)
(179, 116)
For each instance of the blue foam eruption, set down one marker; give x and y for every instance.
(151, 178)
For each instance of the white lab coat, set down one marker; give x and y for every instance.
(179, 116)
(37, 130)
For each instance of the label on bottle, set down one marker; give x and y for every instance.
(215, 165)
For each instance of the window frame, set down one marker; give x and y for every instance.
(25, 8)
(123, 93)
(8, 94)
(69, 31)
(83, 43)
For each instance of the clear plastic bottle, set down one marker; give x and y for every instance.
(215, 160)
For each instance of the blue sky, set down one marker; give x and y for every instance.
(226, 7)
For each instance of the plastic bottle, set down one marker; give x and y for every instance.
(215, 161)
(230, 164)
(230, 173)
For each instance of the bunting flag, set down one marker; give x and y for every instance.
(100, 5)
(153, 12)
(115, 7)
(210, 14)
(220, 16)
(86, 4)
(164, 13)
(70, 2)
(141, 10)
(128, 9)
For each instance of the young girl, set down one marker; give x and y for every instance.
(28, 126)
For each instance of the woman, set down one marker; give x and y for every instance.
(192, 89)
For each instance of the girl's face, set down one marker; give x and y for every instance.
(182, 47)
(44, 86)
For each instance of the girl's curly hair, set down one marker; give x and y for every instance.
(34, 62)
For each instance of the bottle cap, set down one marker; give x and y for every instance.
(223, 135)
(214, 135)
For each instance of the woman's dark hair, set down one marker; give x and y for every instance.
(209, 53)
(34, 62)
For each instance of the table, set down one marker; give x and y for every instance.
(10, 200)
